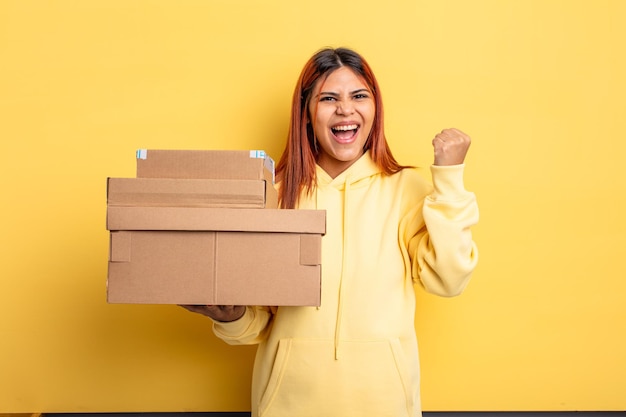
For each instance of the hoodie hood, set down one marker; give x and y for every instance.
(361, 173)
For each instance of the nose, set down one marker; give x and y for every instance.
(344, 107)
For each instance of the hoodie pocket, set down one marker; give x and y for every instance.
(369, 378)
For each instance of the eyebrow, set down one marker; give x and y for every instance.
(330, 93)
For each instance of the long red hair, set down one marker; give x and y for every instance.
(296, 168)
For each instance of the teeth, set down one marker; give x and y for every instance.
(346, 127)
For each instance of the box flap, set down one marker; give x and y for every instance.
(120, 244)
(209, 164)
(310, 249)
(216, 219)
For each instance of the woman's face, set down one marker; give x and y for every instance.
(342, 111)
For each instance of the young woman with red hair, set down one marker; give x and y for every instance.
(387, 229)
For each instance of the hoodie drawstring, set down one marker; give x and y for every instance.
(343, 268)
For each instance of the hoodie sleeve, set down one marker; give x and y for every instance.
(251, 328)
(444, 255)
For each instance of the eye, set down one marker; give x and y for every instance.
(361, 96)
(327, 98)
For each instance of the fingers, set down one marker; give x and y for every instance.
(450, 147)
(219, 313)
(452, 135)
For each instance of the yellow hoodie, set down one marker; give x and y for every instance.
(356, 355)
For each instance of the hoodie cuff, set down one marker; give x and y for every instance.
(234, 328)
(448, 182)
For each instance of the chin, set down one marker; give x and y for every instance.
(349, 156)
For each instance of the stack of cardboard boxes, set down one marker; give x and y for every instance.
(203, 227)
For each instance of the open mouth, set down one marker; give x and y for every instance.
(345, 132)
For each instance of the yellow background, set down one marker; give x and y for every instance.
(539, 85)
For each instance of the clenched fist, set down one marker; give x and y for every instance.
(451, 146)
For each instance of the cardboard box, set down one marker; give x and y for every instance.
(220, 256)
(202, 227)
(251, 165)
(155, 192)
(209, 164)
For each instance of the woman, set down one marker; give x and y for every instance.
(387, 228)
